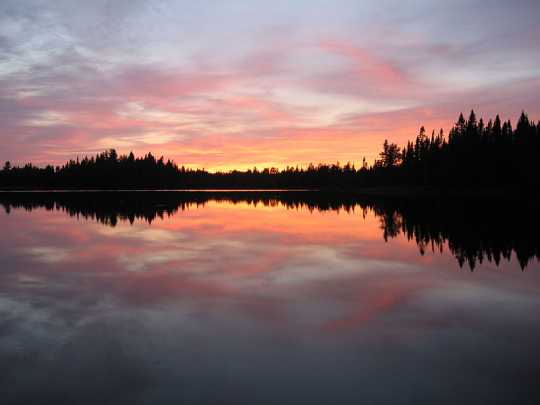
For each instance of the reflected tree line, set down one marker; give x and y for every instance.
(475, 153)
(474, 231)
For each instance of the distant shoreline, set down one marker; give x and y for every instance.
(510, 193)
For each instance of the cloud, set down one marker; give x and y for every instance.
(366, 68)
(253, 84)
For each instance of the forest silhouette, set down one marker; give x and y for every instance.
(475, 154)
(473, 230)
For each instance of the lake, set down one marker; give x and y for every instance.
(267, 298)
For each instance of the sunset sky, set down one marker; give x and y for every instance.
(223, 84)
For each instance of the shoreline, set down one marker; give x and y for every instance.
(405, 192)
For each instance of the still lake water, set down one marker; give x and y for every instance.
(263, 299)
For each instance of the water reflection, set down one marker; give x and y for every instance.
(473, 230)
(262, 299)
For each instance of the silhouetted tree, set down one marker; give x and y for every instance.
(390, 156)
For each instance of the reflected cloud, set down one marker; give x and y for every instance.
(371, 216)
(245, 286)
(145, 234)
(47, 254)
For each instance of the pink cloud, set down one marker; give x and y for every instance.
(153, 82)
(366, 63)
(233, 118)
(365, 75)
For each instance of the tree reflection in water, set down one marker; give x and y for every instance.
(473, 229)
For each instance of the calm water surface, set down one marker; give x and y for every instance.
(235, 302)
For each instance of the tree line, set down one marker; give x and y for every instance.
(474, 154)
